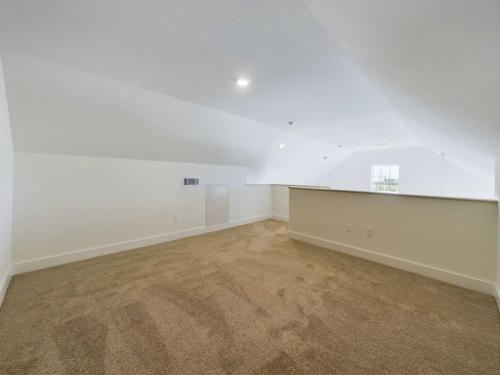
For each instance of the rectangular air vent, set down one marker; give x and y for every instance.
(190, 181)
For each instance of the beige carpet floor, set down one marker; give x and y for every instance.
(246, 300)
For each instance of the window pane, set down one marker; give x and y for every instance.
(385, 178)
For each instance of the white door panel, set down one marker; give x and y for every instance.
(217, 204)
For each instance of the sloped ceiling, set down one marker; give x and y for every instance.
(356, 73)
(436, 61)
(192, 49)
(62, 110)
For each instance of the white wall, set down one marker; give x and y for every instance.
(70, 203)
(498, 232)
(422, 172)
(6, 164)
(280, 201)
(449, 239)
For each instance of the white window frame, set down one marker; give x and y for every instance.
(372, 188)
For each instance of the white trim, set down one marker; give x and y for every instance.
(450, 277)
(4, 282)
(75, 256)
(497, 297)
(281, 218)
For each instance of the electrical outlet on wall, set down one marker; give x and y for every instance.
(369, 232)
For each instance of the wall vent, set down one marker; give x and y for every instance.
(190, 181)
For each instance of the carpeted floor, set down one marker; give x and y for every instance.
(243, 301)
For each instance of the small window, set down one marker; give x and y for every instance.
(385, 178)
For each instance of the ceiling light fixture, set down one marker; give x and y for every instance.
(282, 145)
(242, 82)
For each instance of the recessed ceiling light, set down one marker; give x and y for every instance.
(242, 82)
(290, 122)
(282, 145)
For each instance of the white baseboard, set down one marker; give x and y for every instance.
(280, 218)
(497, 297)
(4, 283)
(450, 277)
(75, 256)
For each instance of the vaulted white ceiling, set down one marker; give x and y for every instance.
(436, 61)
(193, 49)
(356, 73)
(61, 110)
